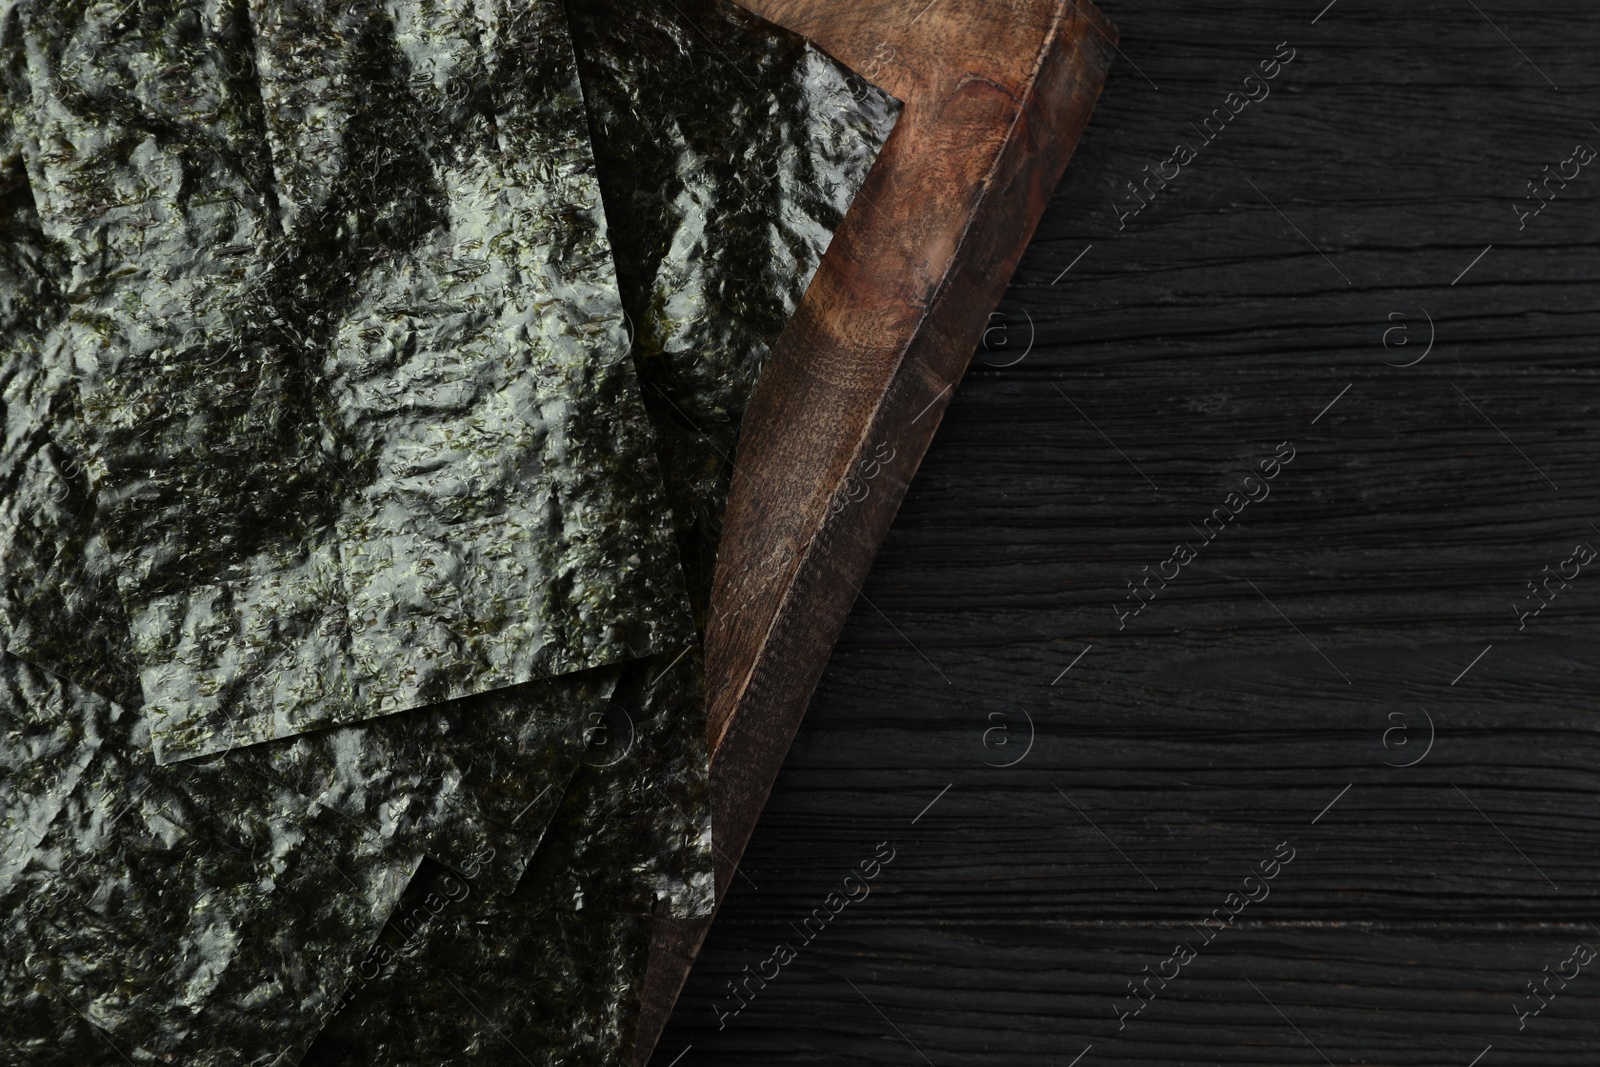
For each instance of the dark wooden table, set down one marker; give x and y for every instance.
(1346, 668)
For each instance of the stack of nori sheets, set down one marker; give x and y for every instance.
(371, 373)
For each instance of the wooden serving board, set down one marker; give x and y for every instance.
(996, 93)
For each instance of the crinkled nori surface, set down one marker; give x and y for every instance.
(168, 914)
(453, 781)
(366, 437)
(474, 781)
(456, 979)
(707, 217)
(49, 733)
(729, 150)
(553, 974)
(58, 603)
(477, 776)
(634, 831)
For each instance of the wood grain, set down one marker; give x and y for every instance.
(995, 100)
(1190, 343)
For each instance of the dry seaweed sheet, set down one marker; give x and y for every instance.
(553, 974)
(475, 777)
(167, 914)
(49, 733)
(472, 782)
(379, 450)
(562, 968)
(634, 832)
(633, 836)
(456, 980)
(471, 778)
(58, 604)
(480, 775)
(311, 749)
(729, 150)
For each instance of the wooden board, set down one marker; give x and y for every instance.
(1196, 339)
(996, 98)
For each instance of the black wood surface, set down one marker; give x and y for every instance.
(1343, 671)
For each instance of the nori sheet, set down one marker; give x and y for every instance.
(49, 733)
(713, 253)
(478, 776)
(482, 775)
(729, 150)
(58, 602)
(633, 834)
(167, 914)
(475, 781)
(574, 915)
(455, 980)
(553, 974)
(378, 450)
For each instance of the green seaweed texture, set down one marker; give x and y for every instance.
(365, 438)
(729, 150)
(480, 775)
(710, 185)
(552, 974)
(371, 376)
(58, 601)
(174, 914)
